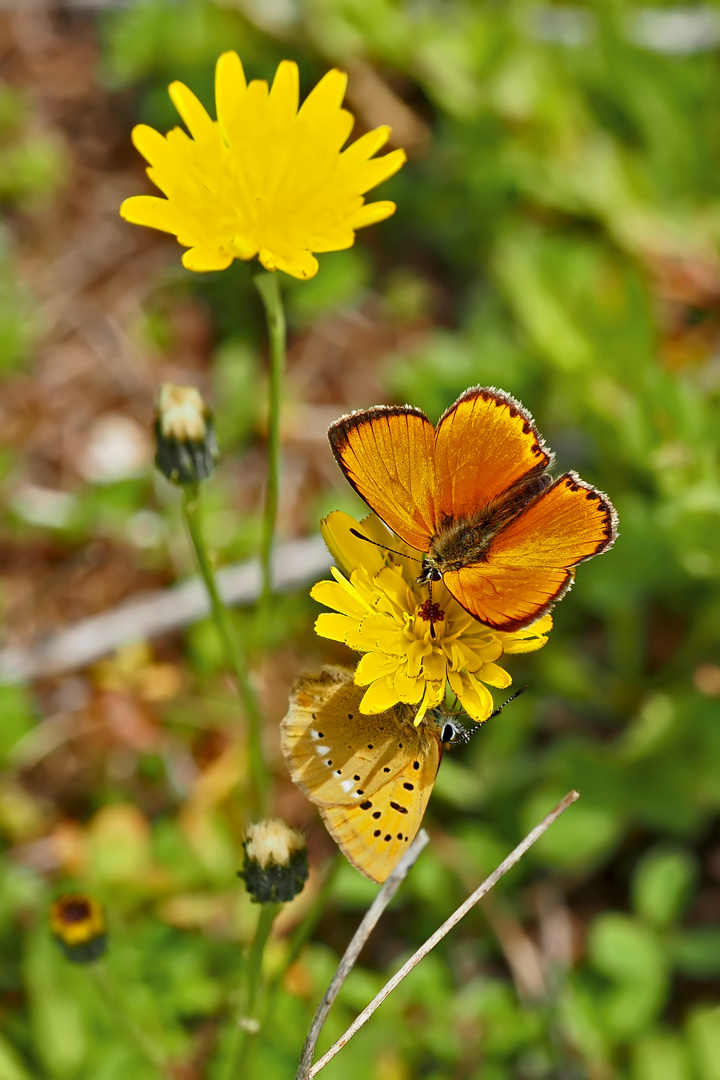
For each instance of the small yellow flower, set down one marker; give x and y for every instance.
(78, 925)
(381, 611)
(266, 179)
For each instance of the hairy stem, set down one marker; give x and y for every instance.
(235, 654)
(269, 289)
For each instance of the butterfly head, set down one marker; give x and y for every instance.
(429, 572)
(451, 730)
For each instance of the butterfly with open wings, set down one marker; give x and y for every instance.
(475, 497)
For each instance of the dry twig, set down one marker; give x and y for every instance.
(354, 949)
(307, 1072)
(295, 564)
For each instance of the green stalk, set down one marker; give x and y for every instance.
(259, 778)
(139, 1038)
(238, 1053)
(269, 289)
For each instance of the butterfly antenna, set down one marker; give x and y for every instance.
(375, 542)
(511, 698)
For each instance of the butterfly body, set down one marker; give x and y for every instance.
(476, 498)
(370, 776)
(465, 541)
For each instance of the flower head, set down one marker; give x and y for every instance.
(78, 926)
(265, 179)
(186, 446)
(381, 611)
(276, 865)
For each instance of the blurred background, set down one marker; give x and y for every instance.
(557, 235)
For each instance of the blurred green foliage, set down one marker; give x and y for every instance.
(559, 236)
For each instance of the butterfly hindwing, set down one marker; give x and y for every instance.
(485, 443)
(369, 776)
(387, 454)
(529, 563)
(375, 834)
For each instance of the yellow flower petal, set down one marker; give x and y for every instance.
(192, 111)
(336, 627)
(149, 210)
(300, 264)
(374, 172)
(475, 698)
(324, 99)
(408, 689)
(372, 666)
(285, 93)
(152, 145)
(203, 260)
(366, 146)
(528, 640)
(347, 550)
(230, 86)
(434, 695)
(372, 213)
(494, 676)
(335, 594)
(378, 697)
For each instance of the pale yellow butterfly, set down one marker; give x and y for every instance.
(370, 776)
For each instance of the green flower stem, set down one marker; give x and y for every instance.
(269, 289)
(259, 778)
(245, 1029)
(139, 1038)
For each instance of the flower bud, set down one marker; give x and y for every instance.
(78, 925)
(186, 446)
(276, 864)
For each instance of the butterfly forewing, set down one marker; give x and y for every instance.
(369, 776)
(485, 443)
(387, 454)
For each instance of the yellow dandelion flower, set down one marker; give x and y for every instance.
(380, 610)
(265, 179)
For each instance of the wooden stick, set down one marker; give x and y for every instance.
(296, 563)
(439, 934)
(354, 949)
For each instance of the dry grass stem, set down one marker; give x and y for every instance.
(296, 563)
(447, 926)
(354, 949)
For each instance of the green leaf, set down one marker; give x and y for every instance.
(703, 1030)
(629, 1009)
(17, 710)
(58, 1024)
(660, 1056)
(11, 1067)
(625, 949)
(663, 883)
(584, 833)
(696, 952)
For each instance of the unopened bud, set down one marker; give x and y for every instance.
(186, 446)
(276, 864)
(78, 925)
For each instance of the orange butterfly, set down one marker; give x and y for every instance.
(369, 776)
(475, 496)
